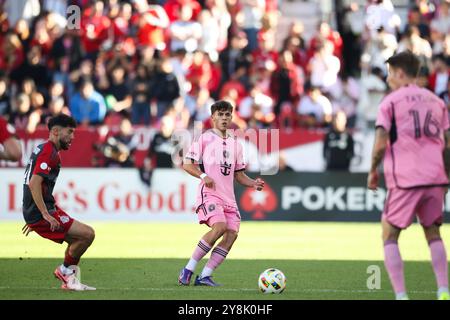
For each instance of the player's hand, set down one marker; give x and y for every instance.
(54, 224)
(26, 230)
(209, 183)
(372, 180)
(259, 184)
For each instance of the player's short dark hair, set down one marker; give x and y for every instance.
(406, 61)
(221, 105)
(62, 120)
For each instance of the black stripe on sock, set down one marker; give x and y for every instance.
(203, 247)
(220, 253)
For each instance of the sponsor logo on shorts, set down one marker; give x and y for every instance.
(211, 207)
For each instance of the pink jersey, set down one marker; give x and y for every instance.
(219, 158)
(416, 120)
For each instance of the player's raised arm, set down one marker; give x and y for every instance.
(246, 181)
(379, 148)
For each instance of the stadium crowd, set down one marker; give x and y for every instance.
(146, 60)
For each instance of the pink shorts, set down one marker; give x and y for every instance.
(211, 212)
(403, 205)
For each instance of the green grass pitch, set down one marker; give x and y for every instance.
(142, 261)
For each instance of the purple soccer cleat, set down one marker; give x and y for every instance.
(185, 277)
(205, 281)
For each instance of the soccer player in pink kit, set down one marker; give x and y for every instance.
(413, 139)
(217, 159)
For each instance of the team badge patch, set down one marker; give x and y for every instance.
(211, 207)
(44, 166)
(64, 219)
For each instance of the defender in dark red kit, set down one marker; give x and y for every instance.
(40, 211)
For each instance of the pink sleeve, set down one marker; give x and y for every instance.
(384, 116)
(240, 161)
(195, 150)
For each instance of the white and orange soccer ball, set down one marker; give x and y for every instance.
(272, 281)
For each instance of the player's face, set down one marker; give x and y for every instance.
(66, 136)
(222, 119)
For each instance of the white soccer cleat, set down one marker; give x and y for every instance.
(73, 281)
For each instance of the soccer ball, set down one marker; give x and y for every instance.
(272, 281)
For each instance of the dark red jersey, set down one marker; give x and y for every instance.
(44, 161)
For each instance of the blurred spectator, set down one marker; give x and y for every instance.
(94, 29)
(5, 103)
(235, 56)
(85, 72)
(20, 116)
(324, 66)
(185, 34)
(165, 87)
(415, 19)
(56, 90)
(21, 9)
(88, 106)
(199, 105)
(412, 41)
(59, 9)
(37, 109)
(140, 92)
(380, 48)
(439, 77)
(179, 114)
(45, 33)
(440, 27)
(219, 12)
(257, 109)
(181, 62)
(116, 90)
(162, 147)
(326, 33)
(12, 52)
(314, 109)
(33, 68)
(235, 88)
(286, 82)
(22, 30)
(250, 18)
(373, 88)
(209, 42)
(55, 107)
(344, 97)
(352, 32)
(67, 51)
(151, 20)
(173, 8)
(294, 46)
(199, 72)
(380, 14)
(338, 146)
(119, 148)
